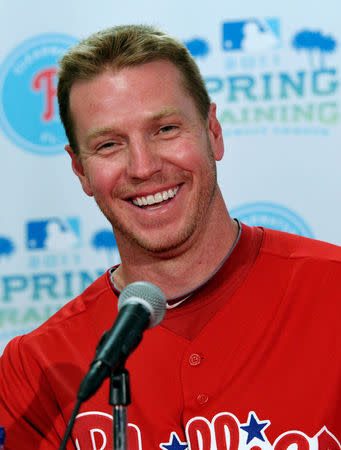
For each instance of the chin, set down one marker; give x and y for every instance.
(161, 245)
(156, 242)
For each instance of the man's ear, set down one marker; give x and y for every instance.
(78, 169)
(215, 133)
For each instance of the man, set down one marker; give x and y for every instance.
(249, 354)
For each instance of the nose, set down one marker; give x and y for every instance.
(143, 159)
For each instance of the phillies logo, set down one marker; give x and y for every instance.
(226, 433)
(93, 430)
(28, 104)
(44, 81)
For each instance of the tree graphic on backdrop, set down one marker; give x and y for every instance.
(7, 247)
(197, 47)
(104, 240)
(312, 42)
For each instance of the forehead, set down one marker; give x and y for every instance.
(129, 93)
(154, 77)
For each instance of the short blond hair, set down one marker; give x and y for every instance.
(122, 46)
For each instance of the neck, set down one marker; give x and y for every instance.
(185, 268)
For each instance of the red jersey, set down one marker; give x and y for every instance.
(252, 360)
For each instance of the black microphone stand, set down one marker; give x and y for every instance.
(141, 305)
(119, 398)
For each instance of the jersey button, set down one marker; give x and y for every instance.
(202, 399)
(194, 359)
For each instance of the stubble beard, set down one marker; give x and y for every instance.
(175, 241)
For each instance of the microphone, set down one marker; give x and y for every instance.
(141, 305)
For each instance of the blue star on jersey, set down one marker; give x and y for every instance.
(174, 443)
(254, 427)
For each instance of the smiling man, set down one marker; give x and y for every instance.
(250, 343)
(148, 158)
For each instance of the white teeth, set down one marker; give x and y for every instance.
(150, 199)
(156, 198)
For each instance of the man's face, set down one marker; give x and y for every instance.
(146, 155)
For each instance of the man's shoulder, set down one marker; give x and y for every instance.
(295, 247)
(71, 334)
(304, 274)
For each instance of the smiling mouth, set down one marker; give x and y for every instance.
(152, 199)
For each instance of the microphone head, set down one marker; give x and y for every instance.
(149, 296)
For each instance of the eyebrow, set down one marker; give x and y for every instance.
(96, 132)
(165, 112)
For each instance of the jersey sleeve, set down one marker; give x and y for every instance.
(27, 407)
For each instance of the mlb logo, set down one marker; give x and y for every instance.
(251, 35)
(53, 234)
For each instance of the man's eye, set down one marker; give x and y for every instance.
(167, 128)
(106, 145)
